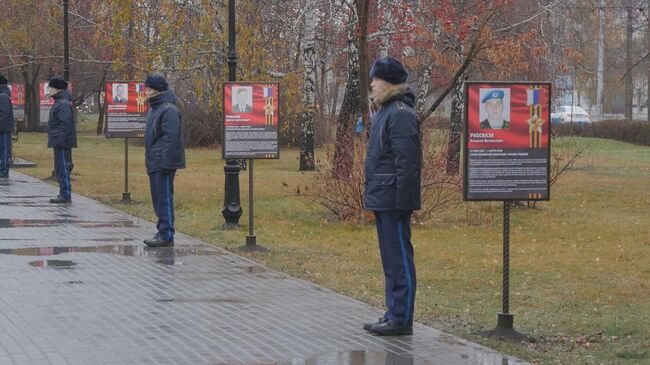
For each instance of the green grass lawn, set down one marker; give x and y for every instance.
(580, 264)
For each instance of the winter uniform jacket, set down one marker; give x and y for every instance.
(7, 123)
(485, 124)
(163, 139)
(393, 161)
(61, 129)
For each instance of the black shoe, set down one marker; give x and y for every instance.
(158, 241)
(367, 326)
(3, 176)
(60, 200)
(391, 328)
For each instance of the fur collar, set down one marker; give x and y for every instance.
(387, 94)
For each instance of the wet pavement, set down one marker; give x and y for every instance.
(78, 287)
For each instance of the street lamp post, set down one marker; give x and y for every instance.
(231, 207)
(66, 55)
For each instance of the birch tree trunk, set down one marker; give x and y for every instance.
(423, 91)
(364, 72)
(600, 76)
(384, 28)
(629, 94)
(344, 146)
(307, 161)
(455, 128)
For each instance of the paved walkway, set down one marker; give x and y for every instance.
(77, 286)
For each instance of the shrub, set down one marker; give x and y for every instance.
(201, 127)
(621, 130)
(343, 197)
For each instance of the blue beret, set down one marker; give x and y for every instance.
(3, 80)
(390, 70)
(494, 94)
(58, 82)
(156, 82)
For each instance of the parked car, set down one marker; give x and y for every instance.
(567, 114)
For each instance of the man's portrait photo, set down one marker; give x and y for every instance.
(495, 108)
(120, 93)
(242, 99)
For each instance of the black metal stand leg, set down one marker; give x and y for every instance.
(251, 239)
(505, 319)
(126, 196)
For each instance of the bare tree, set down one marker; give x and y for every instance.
(307, 161)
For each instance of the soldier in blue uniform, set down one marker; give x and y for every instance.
(493, 102)
(164, 154)
(7, 125)
(392, 191)
(61, 136)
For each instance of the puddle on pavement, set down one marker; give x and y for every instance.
(367, 357)
(360, 358)
(108, 239)
(201, 300)
(25, 204)
(124, 250)
(27, 196)
(56, 264)
(13, 223)
(162, 255)
(8, 183)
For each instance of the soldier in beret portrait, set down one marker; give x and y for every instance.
(493, 101)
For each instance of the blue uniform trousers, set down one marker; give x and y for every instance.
(62, 170)
(162, 197)
(5, 152)
(394, 233)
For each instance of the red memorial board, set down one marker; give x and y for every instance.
(126, 109)
(251, 121)
(507, 140)
(18, 100)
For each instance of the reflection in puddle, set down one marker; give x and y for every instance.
(106, 239)
(162, 255)
(125, 250)
(26, 204)
(13, 223)
(27, 196)
(367, 357)
(359, 357)
(56, 264)
(112, 239)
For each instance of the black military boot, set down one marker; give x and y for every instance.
(159, 241)
(391, 328)
(60, 200)
(369, 325)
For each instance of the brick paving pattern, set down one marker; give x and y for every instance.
(78, 287)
